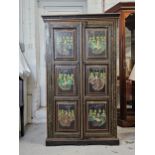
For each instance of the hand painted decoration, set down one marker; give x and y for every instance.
(65, 81)
(97, 117)
(66, 117)
(64, 44)
(97, 80)
(97, 44)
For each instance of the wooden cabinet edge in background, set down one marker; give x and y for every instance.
(126, 116)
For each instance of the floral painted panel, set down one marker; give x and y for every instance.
(65, 44)
(96, 115)
(65, 80)
(96, 79)
(96, 43)
(66, 115)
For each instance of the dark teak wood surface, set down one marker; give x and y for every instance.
(70, 56)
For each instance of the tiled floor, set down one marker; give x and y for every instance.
(33, 143)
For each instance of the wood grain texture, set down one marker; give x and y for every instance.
(68, 77)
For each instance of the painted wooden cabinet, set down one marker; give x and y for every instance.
(81, 79)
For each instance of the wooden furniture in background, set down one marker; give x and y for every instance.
(81, 79)
(126, 113)
(21, 105)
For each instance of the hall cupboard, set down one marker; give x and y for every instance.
(81, 79)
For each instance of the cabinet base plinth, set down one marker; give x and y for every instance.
(107, 141)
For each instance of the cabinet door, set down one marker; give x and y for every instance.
(99, 79)
(64, 106)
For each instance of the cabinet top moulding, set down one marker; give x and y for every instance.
(80, 16)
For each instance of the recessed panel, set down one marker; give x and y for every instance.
(66, 116)
(65, 44)
(66, 80)
(96, 79)
(96, 115)
(96, 43)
